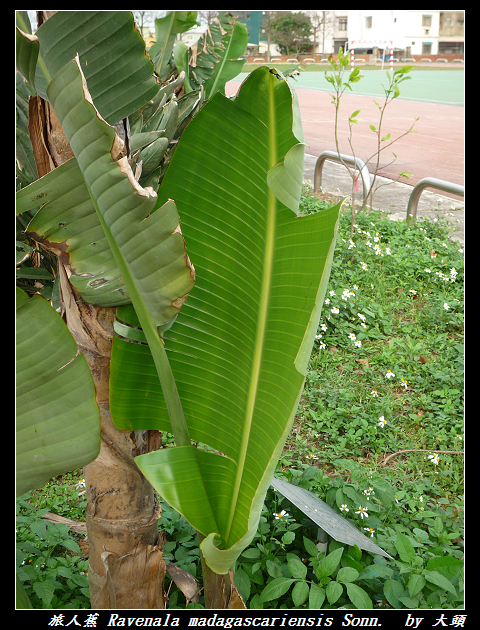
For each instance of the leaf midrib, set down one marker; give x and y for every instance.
(262, 313)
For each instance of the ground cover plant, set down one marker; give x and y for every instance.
(378, 436)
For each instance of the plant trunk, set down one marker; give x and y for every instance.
(126, 568)
(219, 590)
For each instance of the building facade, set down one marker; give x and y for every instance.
(412, 32)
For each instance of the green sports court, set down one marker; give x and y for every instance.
(445, 87)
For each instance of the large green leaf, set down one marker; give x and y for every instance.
(232, 46)
(147, 245)
(118, 72)
(240, 346)
(325, 517)
(58, 422)
(26, 54)
(68, 225)
(214, 59)
(166, 29)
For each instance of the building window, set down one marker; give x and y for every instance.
(368, 22)
(342, 24)
(426, 20)
(450, 48)
(426, 48)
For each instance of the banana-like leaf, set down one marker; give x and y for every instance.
(27, 48)
(58, 422)
(146, 241)
(214, 59)
(166, 29)
(325, 517)
(68, 225)
(233, 45)
(118, 72)
(240, 346)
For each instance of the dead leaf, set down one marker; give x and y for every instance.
(362, 361)
(423, 359)
(186, 582)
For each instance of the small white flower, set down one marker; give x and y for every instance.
(344, 507)
(362, 511)
(322, 346)
(445, 306)
(434, 458)
(331, 292)
(374, 393)
(324, 327)
(389, 374)
(335, 310)
(362, 317)
(427, 270)
(382, 422)
(403, 383)
(369, 529)
(352, 337)
(81, 484)
(281, 514)
(358, 343)
(318, 336)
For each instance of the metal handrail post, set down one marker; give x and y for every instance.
(430, 182)
(348, 159)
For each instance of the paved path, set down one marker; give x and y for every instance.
(392, 198)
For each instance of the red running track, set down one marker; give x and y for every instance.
(435, 150)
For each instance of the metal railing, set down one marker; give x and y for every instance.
(430, 182)
(412, 206)
(333, 156)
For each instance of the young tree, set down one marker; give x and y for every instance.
(383, 141)
(291, 31)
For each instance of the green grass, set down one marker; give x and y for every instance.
(394, 303)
